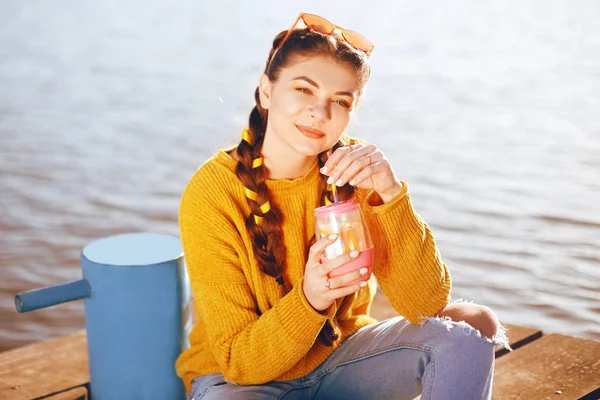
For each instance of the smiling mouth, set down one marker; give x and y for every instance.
(310, 132)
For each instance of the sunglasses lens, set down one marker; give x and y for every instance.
(318, 24)
(359, 41)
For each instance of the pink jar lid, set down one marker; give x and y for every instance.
(336, 208)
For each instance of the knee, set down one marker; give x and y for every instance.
(479, 317)
(486, 321)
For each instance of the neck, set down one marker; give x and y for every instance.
(282, 161)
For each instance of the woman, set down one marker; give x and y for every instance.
(271, 322)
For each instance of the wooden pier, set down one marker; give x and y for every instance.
(543, 366)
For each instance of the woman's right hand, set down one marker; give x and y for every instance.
(321, 290)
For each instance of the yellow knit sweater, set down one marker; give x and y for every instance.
(245, 329)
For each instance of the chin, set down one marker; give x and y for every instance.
(310, 150)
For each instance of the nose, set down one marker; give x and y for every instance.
(320, 111)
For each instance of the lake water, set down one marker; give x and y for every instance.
(491, 111)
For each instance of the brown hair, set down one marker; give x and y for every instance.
(267, 236)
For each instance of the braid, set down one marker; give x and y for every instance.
(264, 221)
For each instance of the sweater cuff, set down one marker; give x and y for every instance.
(298, 318)
(374, 204)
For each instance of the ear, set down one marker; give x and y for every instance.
(265, 86)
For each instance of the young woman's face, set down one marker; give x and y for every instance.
(310, 104)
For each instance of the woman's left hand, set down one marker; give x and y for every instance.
(365, 167)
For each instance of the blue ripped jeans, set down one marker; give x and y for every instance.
(392, 359)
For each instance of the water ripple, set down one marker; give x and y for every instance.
(104, 118)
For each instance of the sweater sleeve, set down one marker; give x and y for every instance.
(249, 348)
(408, 265)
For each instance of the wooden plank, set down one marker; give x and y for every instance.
(543, 368)
(78, 393)
(44, 368)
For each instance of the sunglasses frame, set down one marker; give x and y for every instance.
(335, 27)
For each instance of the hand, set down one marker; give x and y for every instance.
(363, 166)
(320, 290)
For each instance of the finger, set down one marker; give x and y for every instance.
(337, 262)
(337, 155)
(369, 171)
(333, 294)
(347, 160)
(354, 169)
(343, 160)
(319, 247)
(376, 158)
(348, 277)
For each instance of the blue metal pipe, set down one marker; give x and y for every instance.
(52, 295)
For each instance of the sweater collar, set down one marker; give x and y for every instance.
(310, 179)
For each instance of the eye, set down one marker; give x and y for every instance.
(342, 103)
(304, 90)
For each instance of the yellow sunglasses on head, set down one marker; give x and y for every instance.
(321, 25)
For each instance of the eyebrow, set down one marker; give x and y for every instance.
(307, 79)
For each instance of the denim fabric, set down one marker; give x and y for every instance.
(393, 359)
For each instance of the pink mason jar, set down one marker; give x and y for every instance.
(347, 221)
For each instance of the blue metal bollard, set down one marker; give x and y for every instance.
(137, 315)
